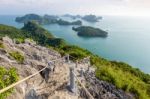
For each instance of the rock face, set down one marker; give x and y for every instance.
(35, 56)
(101, 89)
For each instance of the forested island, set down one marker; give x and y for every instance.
(91, 18)
(72, 16)
(63, 22)
(122, 75)
(88, 31)
(45, 20)
(88, 18)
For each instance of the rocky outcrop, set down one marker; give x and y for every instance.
(102, 90)
(34, 57)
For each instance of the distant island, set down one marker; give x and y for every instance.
(88, 18)
(63, 22)
(87, 31)
(72, 16)
(45, 20)
(91, 18)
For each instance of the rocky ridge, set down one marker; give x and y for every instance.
(37, 57)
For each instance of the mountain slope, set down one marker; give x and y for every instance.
(122, 75)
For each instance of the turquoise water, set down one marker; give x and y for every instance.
(128, 39)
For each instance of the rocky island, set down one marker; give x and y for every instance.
(45, 20)
(63, 22)
(87, 31)
(91, 18)
(72, 16)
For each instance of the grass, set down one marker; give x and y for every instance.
(124, 80)
(7, 77)
(17, 56)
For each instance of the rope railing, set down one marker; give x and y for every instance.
(84, 88)
(88, 93)
(20, 81)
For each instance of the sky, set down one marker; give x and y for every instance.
(59, 7)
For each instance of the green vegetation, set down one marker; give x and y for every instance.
(124, 80)
(74, 51)
(123, 76)
(31, 30)
(37, 33)
(63, 22)
(87, 31)
(19, 40)
(7, 77)
(29, 17)
(17, 56)
(1, 45)
(10, 31)
(40, 35)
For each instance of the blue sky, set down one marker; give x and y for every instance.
(98, 7)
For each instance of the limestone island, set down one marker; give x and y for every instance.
(45, 20)
(72, 16)
(91, 18)
(87, 31)
(63, 22)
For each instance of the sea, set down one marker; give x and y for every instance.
(128, 38)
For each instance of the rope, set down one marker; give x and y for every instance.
(14, 84)
(91, 97)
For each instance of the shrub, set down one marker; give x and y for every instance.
(123, 80)
(17, 56)
(1, 45)
(7, 77)
(19, 40)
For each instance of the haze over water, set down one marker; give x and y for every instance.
(128, 38)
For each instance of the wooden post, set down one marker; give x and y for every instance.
(72, 80)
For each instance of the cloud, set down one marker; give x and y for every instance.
(75, 6)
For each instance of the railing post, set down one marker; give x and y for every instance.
(72, 80)
(81, 72)
(89, 64)
(76, 63)
(68, 60)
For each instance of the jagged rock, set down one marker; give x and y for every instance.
(2, 51)
(101, 89)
